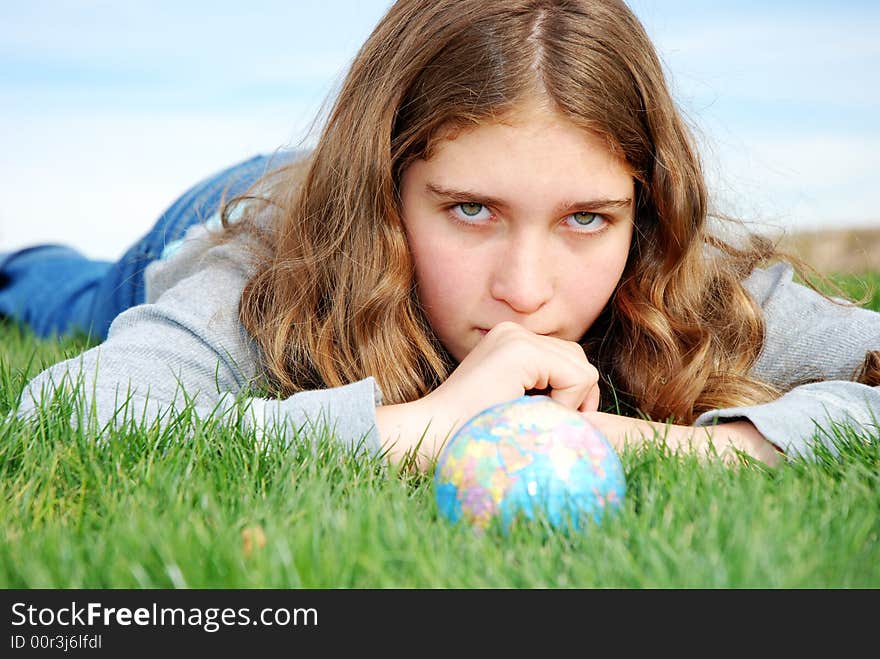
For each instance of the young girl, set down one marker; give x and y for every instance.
(504, 200)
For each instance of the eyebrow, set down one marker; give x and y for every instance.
(488, 200)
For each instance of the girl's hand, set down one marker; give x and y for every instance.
(508, 362)
(505, 364)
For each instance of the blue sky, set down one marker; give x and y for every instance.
(111, 109)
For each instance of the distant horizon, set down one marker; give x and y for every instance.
(110, 112)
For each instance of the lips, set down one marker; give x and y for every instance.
(483, 332)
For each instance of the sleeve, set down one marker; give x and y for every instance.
(813, 348)
(187, 350)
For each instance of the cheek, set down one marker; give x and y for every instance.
(596, 287)
(442, 276)
(431, 271)
(591, 289)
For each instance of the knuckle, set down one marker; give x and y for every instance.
(506, 327)
(576, 349)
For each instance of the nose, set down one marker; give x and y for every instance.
(521, 276)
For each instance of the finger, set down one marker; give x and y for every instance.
(574, 386)
(572, 398)
(591, 402)
(570, 380)
(571, 350)
(583, 396)
(575, 352)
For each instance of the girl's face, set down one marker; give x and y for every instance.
(527, 220)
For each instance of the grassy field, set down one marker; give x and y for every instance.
(197, 505)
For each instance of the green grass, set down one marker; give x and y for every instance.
(865, 288)
(191, 505)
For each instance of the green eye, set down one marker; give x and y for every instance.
(471, 210)
(586, 222)
(584, 218)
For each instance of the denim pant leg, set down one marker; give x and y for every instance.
(49, 288)
(92, 293)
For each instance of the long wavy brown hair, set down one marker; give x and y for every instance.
(334, 298)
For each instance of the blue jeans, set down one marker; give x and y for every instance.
(55, 290)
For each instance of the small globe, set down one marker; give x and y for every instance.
(526, 458)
